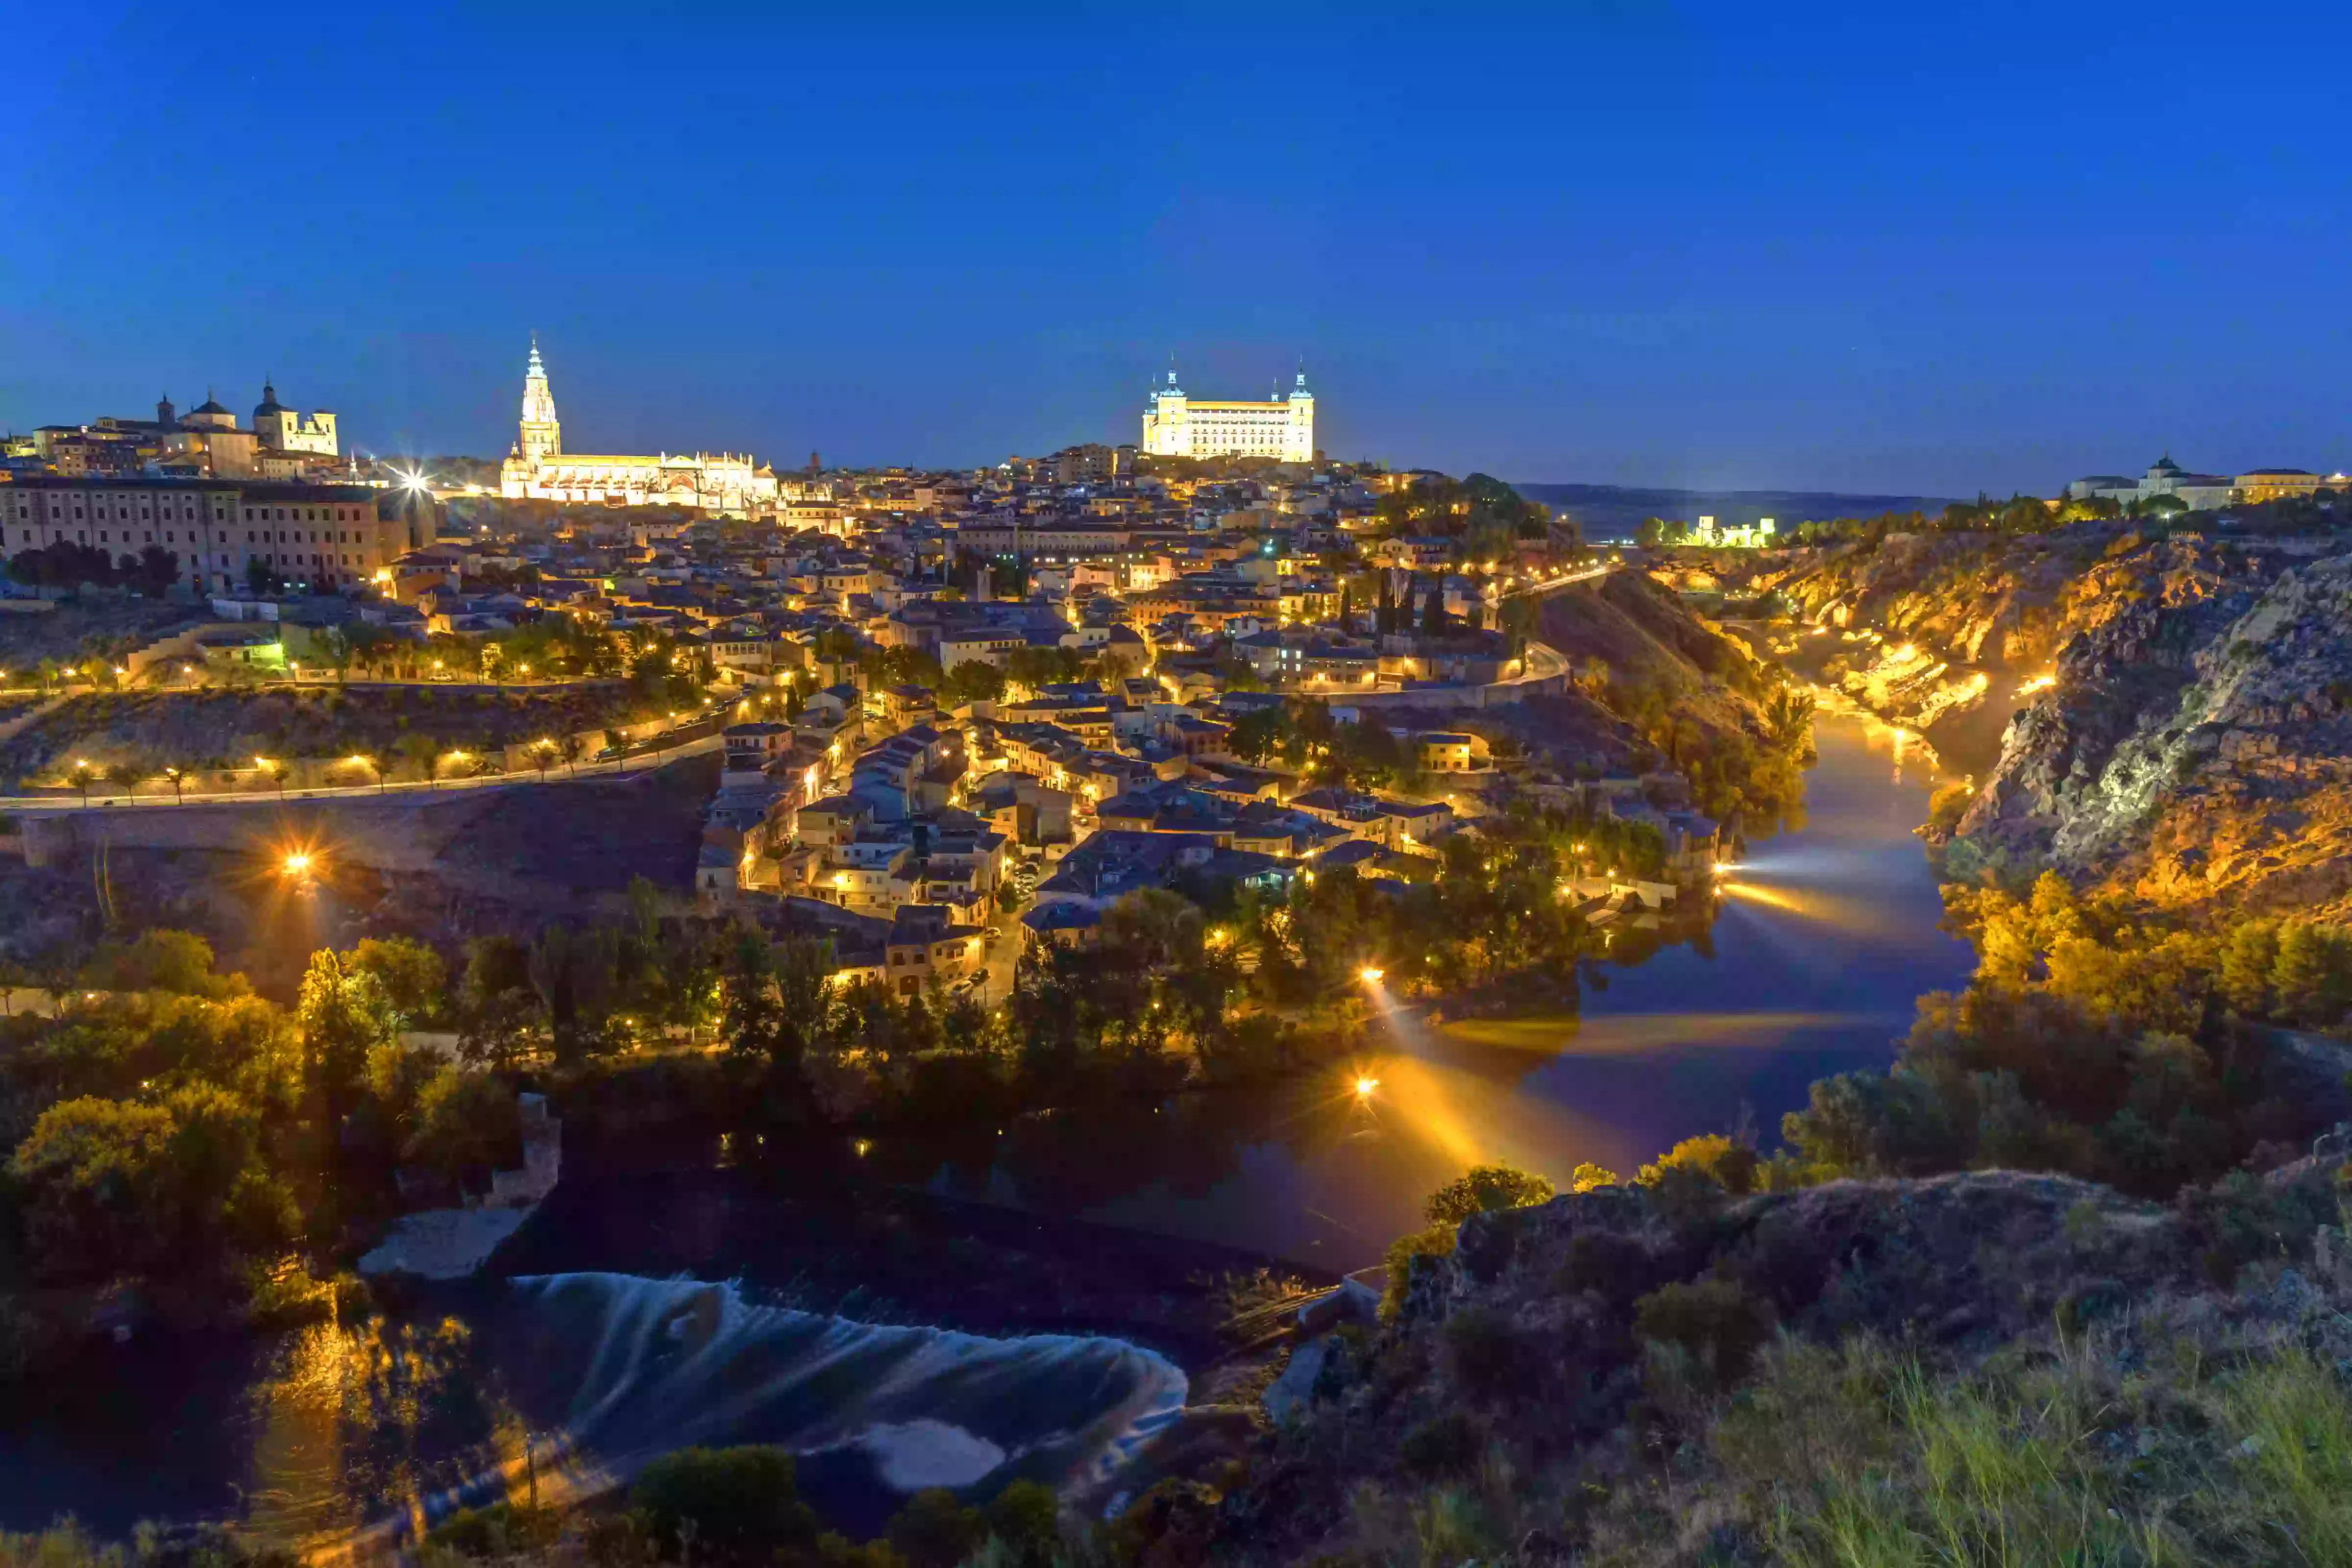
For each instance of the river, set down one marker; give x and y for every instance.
(1826, 935)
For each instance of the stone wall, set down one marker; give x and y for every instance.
(389, 832)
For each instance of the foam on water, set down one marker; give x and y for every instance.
(624, 1370)
(912, 1455)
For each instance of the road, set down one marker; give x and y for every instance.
(1583, 574)
(557, 774)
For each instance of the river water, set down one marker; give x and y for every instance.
(569, 1381)
(1826, 936)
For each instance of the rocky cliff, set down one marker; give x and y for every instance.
(2196, 746)
(2174, 704)
(1673, 1374)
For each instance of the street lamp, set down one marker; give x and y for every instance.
(1365, 1085)
(1369, 975)
(178, 777)
(296, 864)
(276, 771)
(81, 776)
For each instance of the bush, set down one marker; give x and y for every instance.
(736, 1505)
(1403, 1255)
(1442, 1446)
(1483, 1190)
(501, 1529)
(1487, 1353)
(1718, 1325)
(1616, 1268)
(935, 1530)
(1024, 1520)
(1731, 1167)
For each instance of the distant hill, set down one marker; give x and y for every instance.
(1613, 512)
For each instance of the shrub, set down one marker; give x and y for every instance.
(1487, 1355)
(935, 1530)
(1483, 1190)
(1024, 1520)
(1614, 1266)
(1731, 1167)
(736, 1505)
(1403, 1255)
(1444, 1444)
(501, 1529)
(1718, 1325)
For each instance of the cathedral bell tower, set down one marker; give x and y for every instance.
(543, 435)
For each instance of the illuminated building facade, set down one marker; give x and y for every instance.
(538, 468)
(1175, 425)
(322, 537)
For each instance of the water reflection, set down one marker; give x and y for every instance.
(1826, 935)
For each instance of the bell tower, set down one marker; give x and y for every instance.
(543, 435)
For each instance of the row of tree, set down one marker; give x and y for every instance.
(2095, 1040)
(67, 565)
(167, 1123)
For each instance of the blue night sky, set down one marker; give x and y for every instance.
(1868, 247)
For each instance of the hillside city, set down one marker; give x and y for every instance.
(580, 979)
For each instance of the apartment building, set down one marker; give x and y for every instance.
(320, 537)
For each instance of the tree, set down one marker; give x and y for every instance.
(751, 1016)
(2248, 957)
(497, 1008)
(344, 1014)
(466, 1123)
(125, 776)
(412, 974)
(159, 959)
(421, 750)
(2312, 976)
(115, 1187)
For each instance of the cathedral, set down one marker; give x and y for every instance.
(538, 467)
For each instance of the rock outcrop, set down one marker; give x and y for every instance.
(2196, 747)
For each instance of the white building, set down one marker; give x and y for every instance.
(538, 468)
(2197, 492)
(290, 430)
(1177, 427)
(1736, 535)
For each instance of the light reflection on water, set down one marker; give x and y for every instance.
(1825, 939)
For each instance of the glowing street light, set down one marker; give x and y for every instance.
(1369, 977)
(1364, 1086)
(295, 864)
(275, 771)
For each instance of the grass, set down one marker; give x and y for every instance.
(2160, 1443)
(1858, 1457)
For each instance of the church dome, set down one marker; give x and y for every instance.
(268, 404)
(208, 406)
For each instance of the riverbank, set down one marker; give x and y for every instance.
(1109, 1224)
